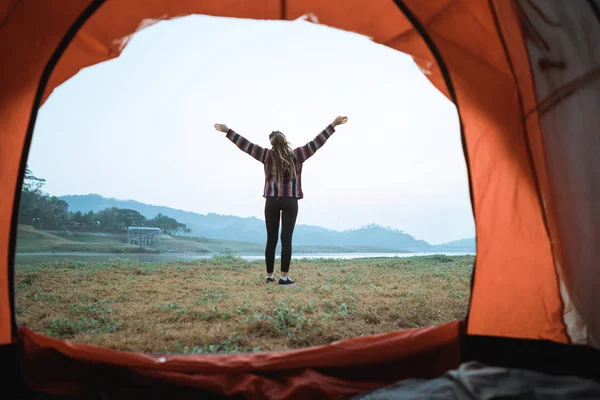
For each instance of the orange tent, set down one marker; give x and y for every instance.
(525, 77)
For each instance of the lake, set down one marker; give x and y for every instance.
(36, 258)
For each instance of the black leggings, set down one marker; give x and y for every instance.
(287, 208)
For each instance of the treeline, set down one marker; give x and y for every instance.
(43, 211)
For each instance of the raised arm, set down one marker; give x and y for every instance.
(303, 153)
(259, 153)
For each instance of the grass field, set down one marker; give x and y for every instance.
(222, 304)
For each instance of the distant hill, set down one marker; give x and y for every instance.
(252, 229)
(470, 242)
(462, 245)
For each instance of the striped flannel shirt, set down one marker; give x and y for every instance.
(289, 187)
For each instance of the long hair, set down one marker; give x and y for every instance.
(282, 157)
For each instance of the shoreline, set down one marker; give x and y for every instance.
(48, 257)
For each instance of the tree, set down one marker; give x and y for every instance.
(49, 212)
(108, 220)
(167, 224)
(117, 219)
(60, 211)
(31, 198)
(31, 182)
(128, 218)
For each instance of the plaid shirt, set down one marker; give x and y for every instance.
(289, 187)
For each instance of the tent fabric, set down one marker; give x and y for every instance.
(524, 77)
(566, 67)
(562, 73)
(29, 33)
(513, 34)
(341, 369)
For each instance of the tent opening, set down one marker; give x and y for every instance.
(142, 228)
(523, 77)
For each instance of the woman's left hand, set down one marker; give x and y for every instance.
(339, 121)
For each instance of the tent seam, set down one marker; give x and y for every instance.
(452, 93)
(533, 169)
(42, 84)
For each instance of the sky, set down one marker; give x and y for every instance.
(141, 126)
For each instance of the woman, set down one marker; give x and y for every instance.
(283, 188)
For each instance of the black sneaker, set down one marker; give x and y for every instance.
(270, 279)
(287, 282)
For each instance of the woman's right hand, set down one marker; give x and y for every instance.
(221, 128)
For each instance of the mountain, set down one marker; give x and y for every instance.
(462, 245)
(470, 242)
(252, 229)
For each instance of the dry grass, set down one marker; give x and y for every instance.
(223, 304)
